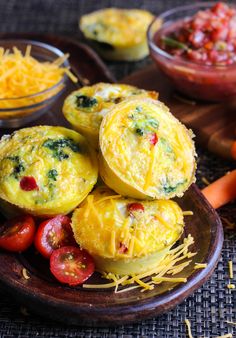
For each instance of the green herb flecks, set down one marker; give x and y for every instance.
(165, 145)
(57, 147)
(139, 131)
(139, 109)
(154, 123)
(18, 166)
(52, 174)
(145, 125)
(169, 188)
(131, 116)
(96, 28)
(51, 188)
(169, 42)
(83, 101)
(142, 124)
(167, 150)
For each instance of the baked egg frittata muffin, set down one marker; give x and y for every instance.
(46, 170)
(86, 107)
(118, 34)
(145, 151)
(126, 236)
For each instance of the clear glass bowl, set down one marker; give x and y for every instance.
(22, 110)
(210, 83)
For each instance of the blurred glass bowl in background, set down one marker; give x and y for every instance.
(204, 82)
(18, 111)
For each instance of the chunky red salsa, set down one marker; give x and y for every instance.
(209, 37)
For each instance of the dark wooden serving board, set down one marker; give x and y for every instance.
(213, 123)
(44, 295)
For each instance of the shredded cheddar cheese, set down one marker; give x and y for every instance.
(231, 323)
(231, 286)
(231, 275)
(25, 274)
(205, 180)
(107, 198)
(188, 213)
(188, 324)
(171, 264)
(150, 169)
(200, 266)
(22, 75)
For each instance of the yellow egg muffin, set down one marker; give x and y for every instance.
(145, 151)
(118, 34)
(46, 170)
(126, 236)
(86, 107)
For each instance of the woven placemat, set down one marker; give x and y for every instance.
(213, 304)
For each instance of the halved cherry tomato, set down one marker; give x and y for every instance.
(71, 265)
(53, 234)
(135, 207)
(17, 234)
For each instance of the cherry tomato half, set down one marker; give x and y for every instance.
(17, 234)
(53, 234)
(71, 265)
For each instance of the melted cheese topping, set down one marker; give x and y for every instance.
(106, 229)
(59, 160)
(164, 270)
(117, 27)
(145, 151)
(22, 75)
(86, 107)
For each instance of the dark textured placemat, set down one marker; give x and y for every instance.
(213, 304)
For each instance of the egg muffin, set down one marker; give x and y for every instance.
(46, 170)
(126, 236)
(146, 152)
(118, 34)
(86, 107)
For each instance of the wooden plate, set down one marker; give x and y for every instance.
(42, 294)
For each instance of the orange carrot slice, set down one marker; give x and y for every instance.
(221, 191)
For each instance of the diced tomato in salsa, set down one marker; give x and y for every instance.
(209, 37)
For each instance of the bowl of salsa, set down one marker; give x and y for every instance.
(196, 49)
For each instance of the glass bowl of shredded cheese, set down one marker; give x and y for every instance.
(32, 76)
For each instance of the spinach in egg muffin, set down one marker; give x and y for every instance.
(56, 146)
(145, 151)
(46, 170)
(86, 107)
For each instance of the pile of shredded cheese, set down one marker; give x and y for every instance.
(22, 75)
(174, 262)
